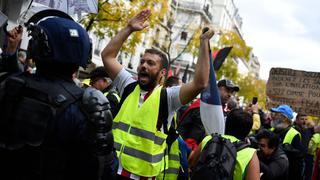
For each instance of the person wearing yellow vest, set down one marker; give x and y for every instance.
(140, 138)
(177, 153)
(247, 162)
(100, 80)
(290, 138)
(314, 143)
(313, 150)
(305, 127)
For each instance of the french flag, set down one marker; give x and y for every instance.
(210, 105)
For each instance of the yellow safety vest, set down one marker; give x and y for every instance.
(244, 157)
(115, 95)
(314, 144)
(290, 135)
(173, 165)
(140, 146)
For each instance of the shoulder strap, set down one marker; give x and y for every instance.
(163, 119)
(240, 145)
(163, 111)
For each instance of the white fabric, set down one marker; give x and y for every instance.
(212, 118)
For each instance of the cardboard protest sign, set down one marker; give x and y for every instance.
(298, 89)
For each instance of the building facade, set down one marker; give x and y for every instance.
(172, 35)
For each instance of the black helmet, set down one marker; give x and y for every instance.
(56, 37)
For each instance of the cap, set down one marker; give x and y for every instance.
(229, 84)
(86, 82)
(99, 72)
(284, 110)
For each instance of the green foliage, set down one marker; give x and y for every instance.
(239, 50)
(251, 87)
(194, 44)
(229, 70)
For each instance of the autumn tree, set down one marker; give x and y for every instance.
(240, 51)
(113, 15)
(174, 28)
(251, 87)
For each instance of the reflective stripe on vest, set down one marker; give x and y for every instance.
(173, 165)
(244, 157)
(140, 146)
(114, 94)
(139, 154)
(290, 135)
(138, 132)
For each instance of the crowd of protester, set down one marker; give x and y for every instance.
(157, 131)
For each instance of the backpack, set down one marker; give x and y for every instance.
(29, 106)
(218, 159)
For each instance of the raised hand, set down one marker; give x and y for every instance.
(14, 37)
(207, 35)
(139, 21)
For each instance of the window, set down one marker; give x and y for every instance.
(97, 48)
(184, 35)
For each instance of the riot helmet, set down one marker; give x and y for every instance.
(57, 38)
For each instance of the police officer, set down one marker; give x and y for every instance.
(47, 131)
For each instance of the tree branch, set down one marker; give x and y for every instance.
(184, 49)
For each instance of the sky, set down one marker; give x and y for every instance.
(283, 33)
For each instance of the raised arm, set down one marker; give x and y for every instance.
(201, 76)
(9, 61)
(110, 52)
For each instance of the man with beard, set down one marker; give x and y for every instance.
(306, 134)
(226, 89)
(146, 109)
(290, 138)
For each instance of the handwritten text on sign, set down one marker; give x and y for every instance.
(299, 89)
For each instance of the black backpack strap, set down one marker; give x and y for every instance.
(163, 111)
(163, 119)
(241, 145)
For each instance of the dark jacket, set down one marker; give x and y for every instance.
(274, 167)
(68, 150)
(191, 126)
(295, 154)
(113, 100)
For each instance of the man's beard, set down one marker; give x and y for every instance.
(152, 83)
(278, 124)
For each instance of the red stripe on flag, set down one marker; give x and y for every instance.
(214, 55)
(170, 73)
